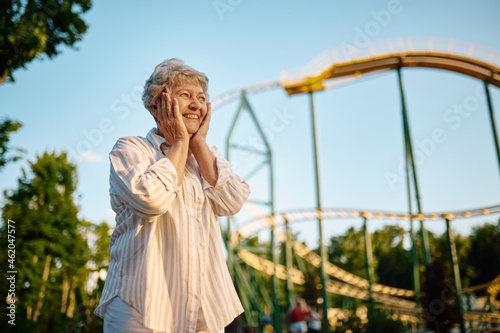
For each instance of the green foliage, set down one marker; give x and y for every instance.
(394, 262)
(348, 252)
(350, 325)
(440, 307)
(395, 267)
(479, 260)
(100, 252)
(6, 127)
(53, 258)
(378, 322)
(391, 260)
(484, 253)
(32, 28)
(478, 254)
(463, 246)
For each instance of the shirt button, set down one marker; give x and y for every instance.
(198, 219)
(198, 197)
(192, 176)
(202, 243)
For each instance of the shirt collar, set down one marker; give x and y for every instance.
(159, 142)
(156, 140)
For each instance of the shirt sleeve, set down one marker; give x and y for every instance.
(230, 192)
(147, 185)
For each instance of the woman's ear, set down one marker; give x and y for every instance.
(154, 112)
(154, 109)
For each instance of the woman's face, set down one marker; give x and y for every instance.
(192, 104)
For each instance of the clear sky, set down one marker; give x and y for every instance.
(86, 98)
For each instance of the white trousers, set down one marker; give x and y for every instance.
(121, 318)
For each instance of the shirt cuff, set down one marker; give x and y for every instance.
(165, 170)
(223, 173)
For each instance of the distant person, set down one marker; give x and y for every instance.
(267, 325)
(315, 320)
(299, 315)
(167, 270)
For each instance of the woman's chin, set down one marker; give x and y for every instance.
(192, 130)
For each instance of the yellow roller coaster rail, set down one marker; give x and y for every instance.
(340, 66)
(457, 56)
(250, 227)
(334, 287)
(337, 67)
(359, 286)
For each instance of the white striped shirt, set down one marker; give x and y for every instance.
(166, 259)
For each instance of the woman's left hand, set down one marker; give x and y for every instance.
(200, 137)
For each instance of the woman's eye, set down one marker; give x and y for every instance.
(202, 99)
(184, 95)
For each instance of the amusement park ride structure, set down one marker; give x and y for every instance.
(331, 69)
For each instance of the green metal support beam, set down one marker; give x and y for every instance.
(301, 264)
(492, 121)
(324, 277)
(248, 297)
(408, 145)
(288, 264)
(244, 105)
(415, 272)
(414, 248)
(452, 253)
(262, 289)
(369, 262)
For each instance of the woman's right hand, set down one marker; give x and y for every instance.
(169, 120)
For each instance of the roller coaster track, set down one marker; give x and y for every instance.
(337, 272)
(357, 287)
(456, 56)
(334, 287)
(249, 228)
(339, 66)
(494, 287)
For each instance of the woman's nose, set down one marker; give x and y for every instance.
(195, 104)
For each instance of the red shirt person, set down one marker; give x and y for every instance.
(299, 315)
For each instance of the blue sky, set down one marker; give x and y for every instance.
(86, 98)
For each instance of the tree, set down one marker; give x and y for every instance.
(391, 260)
(33, 28)
(6, 127)
(395, 268)
(51, 250)
(348, 252)
(378, 322)
(463, 246)
(484, 254)
(440, 306)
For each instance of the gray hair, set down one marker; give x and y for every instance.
(166, 75)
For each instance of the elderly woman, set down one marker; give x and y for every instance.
(167, 271)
